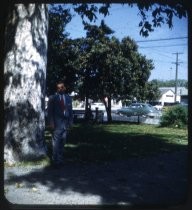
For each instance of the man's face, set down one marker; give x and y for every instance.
(61, 88)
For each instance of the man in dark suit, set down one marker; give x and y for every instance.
(60, 119)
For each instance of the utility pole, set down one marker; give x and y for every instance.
(170, 72)
(176, 73)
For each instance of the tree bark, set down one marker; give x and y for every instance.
(108, 109)
(109, 117)
(24, 82)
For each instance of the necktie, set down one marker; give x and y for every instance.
(62, 103)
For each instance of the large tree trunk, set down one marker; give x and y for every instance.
(24, 81)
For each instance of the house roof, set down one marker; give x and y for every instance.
(180, 90)
(163, 90)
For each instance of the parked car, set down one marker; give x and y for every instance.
(140, 109)
(159, 107)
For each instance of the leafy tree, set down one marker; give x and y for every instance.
(161, 12)
(126, 72)
(152, 92)
(89, 52)
(153, 14)
(144, 67)
(175, 116)
(61, 53)
(110, 69)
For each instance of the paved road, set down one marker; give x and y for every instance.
(135, 119)
(123, 118)
(160, 179)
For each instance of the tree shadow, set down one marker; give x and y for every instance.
(129, 177)
(96, 144)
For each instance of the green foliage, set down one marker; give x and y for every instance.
(152, 91)
(110, 68)
(152, 15)
(61, 52)
(97, 66)
(176, 116)
(171, 83)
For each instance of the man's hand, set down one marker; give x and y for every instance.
(51, 126)
(69, 126)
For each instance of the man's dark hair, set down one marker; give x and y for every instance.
(60, 82)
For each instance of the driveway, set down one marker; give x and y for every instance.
(154, 180)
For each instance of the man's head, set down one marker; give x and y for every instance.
(61, 87)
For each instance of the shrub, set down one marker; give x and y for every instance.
(175, 116)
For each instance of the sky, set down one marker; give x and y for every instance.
(124, 21)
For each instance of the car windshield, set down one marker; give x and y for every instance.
(144, 106)
(136, 105)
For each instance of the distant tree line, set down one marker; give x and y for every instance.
(171, 83)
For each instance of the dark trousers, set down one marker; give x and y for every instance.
(58, 142)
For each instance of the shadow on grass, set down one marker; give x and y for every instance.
(98, 143)
(99, 162)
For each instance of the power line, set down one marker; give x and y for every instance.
(173, 45)
(159, 52)
(164, 54)
(165, 39)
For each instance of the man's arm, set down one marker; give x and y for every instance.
(50, 112)
(70, 112)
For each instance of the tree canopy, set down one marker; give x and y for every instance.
(153, 13)
(104, 67)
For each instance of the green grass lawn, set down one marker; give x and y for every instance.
(106, 142)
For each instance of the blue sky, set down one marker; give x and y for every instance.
(124, 20)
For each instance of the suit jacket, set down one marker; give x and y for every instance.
(56, 116)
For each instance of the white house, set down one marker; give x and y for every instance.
(168, 95)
